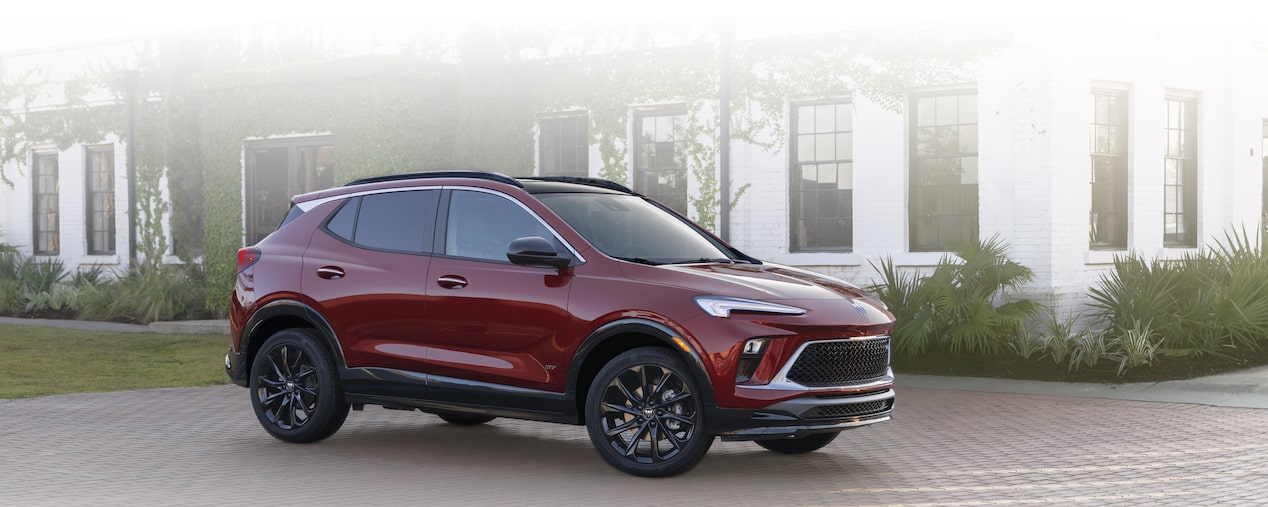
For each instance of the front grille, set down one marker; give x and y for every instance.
(850, 410)
(843, 362)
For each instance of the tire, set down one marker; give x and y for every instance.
(650, 436)
(463, 419)
(808, 443)
(294, 388)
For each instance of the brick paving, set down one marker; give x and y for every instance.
(202, 446)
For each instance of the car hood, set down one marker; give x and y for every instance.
(766, 282)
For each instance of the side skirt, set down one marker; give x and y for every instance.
(432, 393)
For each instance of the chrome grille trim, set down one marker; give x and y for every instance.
(781, 381)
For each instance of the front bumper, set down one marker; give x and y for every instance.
(798, 417)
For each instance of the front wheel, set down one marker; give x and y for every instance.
(645, 416)
(808, 443)
(294, 388)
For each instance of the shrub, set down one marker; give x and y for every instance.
(148, 293)
(1206, 303)
(954, 307)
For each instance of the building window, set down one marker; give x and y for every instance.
(1180, 183)
(278, 170)
(1108, 145)
(943, 180)
(660, 157)
(822, 176)
(99, 190)
(564, 146)
(45, 212)
(1263, 153)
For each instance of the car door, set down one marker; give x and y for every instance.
(492, 323)
(366, 270)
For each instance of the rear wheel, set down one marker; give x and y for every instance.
(294, 388)
(645, 416)
(809, 443)
(462, 419)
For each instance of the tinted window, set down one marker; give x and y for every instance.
(397, 221)
(342, 223)
(482, 226)
(627, 227)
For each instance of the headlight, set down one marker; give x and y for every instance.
(722, 306)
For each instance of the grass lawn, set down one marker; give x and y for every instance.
(39, 361)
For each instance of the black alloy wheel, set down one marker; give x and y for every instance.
(808, 443)
(645, 416)
(294, 388)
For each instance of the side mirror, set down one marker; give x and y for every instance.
(535, 251)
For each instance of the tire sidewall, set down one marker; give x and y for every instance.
(331, 409)
(695, 449)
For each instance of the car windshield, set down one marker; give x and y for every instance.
(629, 228)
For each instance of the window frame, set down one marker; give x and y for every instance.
(429, 234)
(54, 233)
(1120, 188)
(794, 187)
(90, 194)
(914, 192)
(638, 169)
(552, 123)
(1186, 185)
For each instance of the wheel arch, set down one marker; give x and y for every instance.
(284, 314)
(617, 337)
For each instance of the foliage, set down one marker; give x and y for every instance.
(148, 294)
(1135, 347)
(954, 308)
(1206, 303)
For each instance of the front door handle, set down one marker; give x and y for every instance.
(452, 282)
(330, 272)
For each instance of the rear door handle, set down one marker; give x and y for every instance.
(452, 282)
(330, 272)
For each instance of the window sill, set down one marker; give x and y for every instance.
(817, 259)
(1099, 257)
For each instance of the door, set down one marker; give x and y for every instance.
(491, 321)
(366, 270)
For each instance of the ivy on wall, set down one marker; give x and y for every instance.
(472, 106)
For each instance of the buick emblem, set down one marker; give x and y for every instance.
(859, 307)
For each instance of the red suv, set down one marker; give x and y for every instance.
(572, 300)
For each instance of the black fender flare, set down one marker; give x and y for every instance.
(645, 327)
(289, 308)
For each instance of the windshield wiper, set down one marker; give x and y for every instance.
(639, 260)
(703, 260)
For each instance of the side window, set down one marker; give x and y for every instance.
(345, 220)
(393, 221)
(482, 226)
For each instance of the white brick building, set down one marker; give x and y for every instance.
(1017, 145)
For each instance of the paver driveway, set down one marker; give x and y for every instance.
(202, 446)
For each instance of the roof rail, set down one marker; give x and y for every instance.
(593, 182)
(498, 177)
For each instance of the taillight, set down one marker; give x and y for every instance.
(247, 257)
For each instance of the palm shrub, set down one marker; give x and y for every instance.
(955, 307)
(1206, 303)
